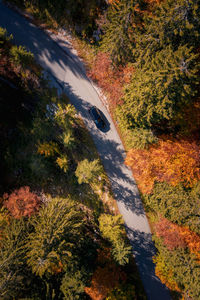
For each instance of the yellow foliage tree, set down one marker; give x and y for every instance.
(171, 161)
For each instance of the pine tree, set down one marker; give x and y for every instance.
(13, 270)
(87, 171)
(180, 269)
(112, 229)
(73, 283)
(56, 231)
(121, 252)
(171, 23)
(176, 204)
(21, 57)
(122, 18)
(65, 116)
(161, 88)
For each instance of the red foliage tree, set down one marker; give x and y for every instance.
(170, 234)
(22, 202)
(177, 236)
(172, 161)
(110, 79)
(105, 278)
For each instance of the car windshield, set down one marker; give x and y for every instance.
(95, 113)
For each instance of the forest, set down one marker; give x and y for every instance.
(146, 61)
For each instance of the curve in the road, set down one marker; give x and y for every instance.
(68, 71)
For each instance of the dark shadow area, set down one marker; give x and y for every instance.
(144, 250)
(36, 39)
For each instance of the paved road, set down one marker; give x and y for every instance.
(67, 69)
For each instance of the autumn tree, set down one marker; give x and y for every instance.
(106, 277)
(175, 236)
(22, 202)
(170, 234)
(110, 78)
(172, 161)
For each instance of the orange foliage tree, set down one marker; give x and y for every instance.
(168, 161)
(110, 79)
(106, 277)
(177, 236)
(22, 202)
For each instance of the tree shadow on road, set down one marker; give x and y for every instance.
(41, 44)
(143, 251)
(112, 155)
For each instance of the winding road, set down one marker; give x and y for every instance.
(59, 59)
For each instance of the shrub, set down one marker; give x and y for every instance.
(21, 57)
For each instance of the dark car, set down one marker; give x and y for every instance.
(98, 117)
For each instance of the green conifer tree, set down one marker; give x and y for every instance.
(171, 23)
(13, 270)
(87, 172)
(176, 204)
(112, 229)
(159, 89)
(73, 282)
(181, 267)
(56, 229)
(118, 40)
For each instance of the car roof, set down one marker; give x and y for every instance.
(95, 111)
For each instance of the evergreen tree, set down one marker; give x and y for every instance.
(73, 283)
(112, 229)
(21, 57)
(87, 171)
(56, 230)
(4, 38)
(176, 204)
(122, 18)
(171, 23)
(121, 252)
(14, 273)
(180, 267)
(161, 88)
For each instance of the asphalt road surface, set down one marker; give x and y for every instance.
(66, 67)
